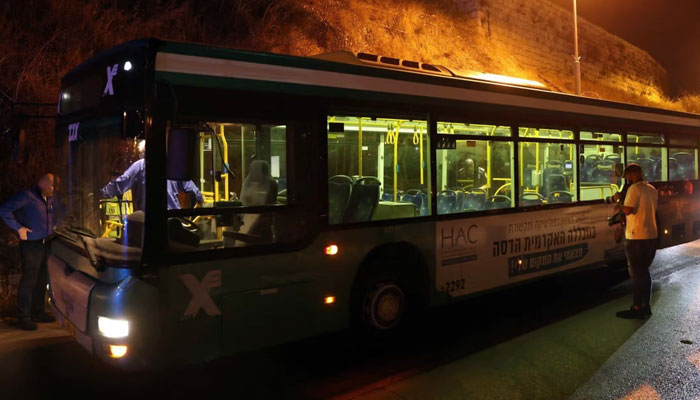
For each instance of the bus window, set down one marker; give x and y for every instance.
(682, 164)
(600, 173)
(104, 192)
(459, 128)
(378, 168)
(225, 153)
(601, 136)
(237, 166)
(650, 138)
(547, 173)
(475, 175)
(545, 133)
(651, 159)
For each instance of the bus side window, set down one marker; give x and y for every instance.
(599, 173)
(378, 168)
(476, 175)
(547, 169)
(237, 165)
(652, 160)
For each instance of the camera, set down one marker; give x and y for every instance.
(617, 218)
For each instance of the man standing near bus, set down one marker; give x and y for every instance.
(641, 233)
(33, 214)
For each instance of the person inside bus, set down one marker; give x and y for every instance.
(134, 178)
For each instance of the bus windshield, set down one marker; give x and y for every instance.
(104, 192)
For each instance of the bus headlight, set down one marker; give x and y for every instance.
(113, 328)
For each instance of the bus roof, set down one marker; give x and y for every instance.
(206, 65)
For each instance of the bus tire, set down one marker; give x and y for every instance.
(385, 299)
(382, 305)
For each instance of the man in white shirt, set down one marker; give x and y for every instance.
(641, 235)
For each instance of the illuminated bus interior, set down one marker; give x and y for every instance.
(236, 165)
(474, 174)
(378, 168)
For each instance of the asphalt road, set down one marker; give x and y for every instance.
(553, 339)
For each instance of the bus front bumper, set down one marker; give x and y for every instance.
(81, 337)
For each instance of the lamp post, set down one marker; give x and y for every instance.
(577, 58)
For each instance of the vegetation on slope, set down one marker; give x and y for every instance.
(41, 40)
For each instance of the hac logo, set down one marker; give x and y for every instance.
(455, 236)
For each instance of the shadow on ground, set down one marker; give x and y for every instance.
(327, 366)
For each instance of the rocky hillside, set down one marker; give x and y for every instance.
(42, 39)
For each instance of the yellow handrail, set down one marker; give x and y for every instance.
(359, 148)
(421, 155)
(396, 160)
(502, 187)
(224, 147)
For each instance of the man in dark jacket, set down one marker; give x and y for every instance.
(33, 214)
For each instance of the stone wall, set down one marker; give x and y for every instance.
(539, 35)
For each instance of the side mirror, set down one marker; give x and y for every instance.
(180, 154)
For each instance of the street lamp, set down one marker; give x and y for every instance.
(577, 58)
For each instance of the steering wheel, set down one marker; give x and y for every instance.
(189, 224)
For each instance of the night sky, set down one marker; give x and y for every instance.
(669, 30)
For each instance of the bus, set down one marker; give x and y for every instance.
(220, 201)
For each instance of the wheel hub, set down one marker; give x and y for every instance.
(385, 306)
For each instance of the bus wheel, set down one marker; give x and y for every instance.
(383, 307)
(380, 306)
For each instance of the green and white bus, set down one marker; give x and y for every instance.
(330, 191)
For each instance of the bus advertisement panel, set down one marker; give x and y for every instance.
(476, 254)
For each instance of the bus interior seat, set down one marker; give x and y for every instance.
(459, 201)
(339, 189)
(424, 210)
(475, 200)
(497, 202)
(548, 173)
(673, 172)
(555, 182)
(603, 175)
(388, 196)
(589, 165)
(531, 199)
(558, 197)
(422, 204)
(258, 189)
(416, 199)
(648, 167)
(684, 166)
(447, 201)
(363, 200)
(615, 158)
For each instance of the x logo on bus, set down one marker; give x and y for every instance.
(111, 73)
(200, 294)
